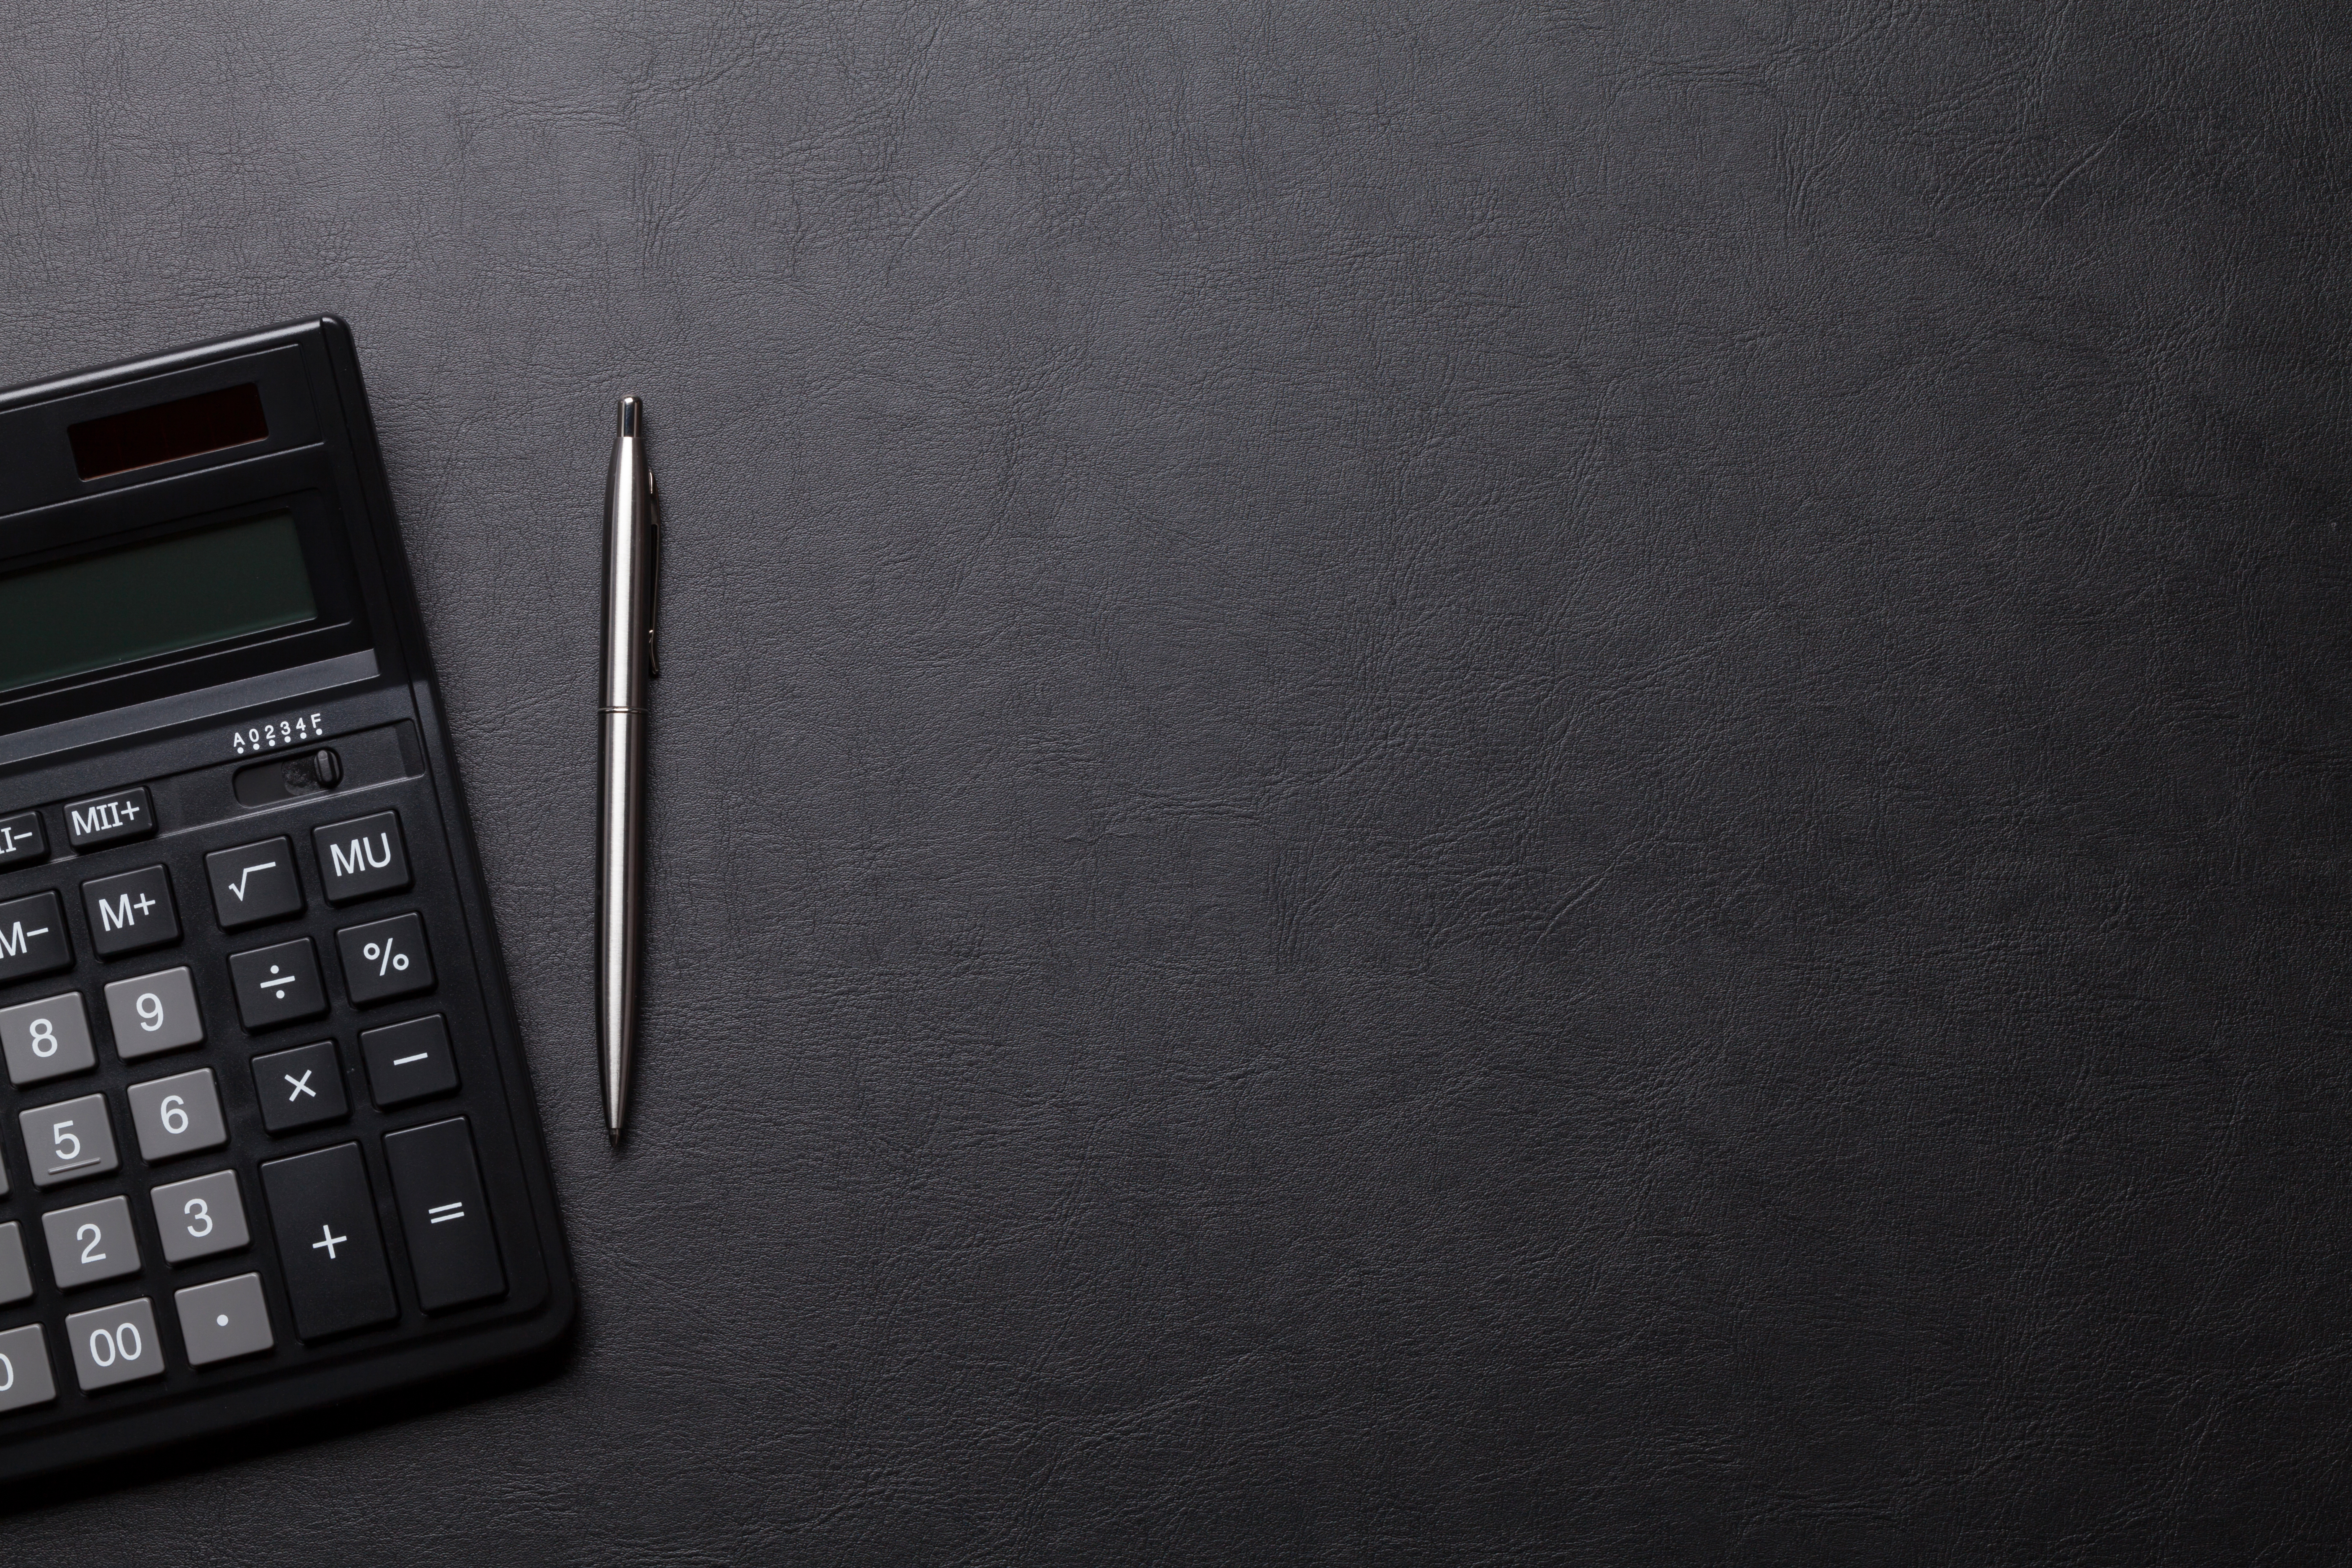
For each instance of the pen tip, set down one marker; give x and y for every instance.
(633, 416)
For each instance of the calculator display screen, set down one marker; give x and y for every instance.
(154, 598)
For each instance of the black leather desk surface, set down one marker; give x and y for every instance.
(1453, 782)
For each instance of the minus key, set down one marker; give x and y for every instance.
(409, 1062)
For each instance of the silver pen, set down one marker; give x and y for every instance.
(632, 559)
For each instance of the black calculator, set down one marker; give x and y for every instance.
(268, 1138)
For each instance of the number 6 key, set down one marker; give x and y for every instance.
(177, 1116)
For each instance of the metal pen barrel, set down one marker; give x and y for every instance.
(632, 542)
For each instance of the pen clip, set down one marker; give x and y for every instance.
(653, 581)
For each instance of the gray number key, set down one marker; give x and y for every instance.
(177, 1116)
(114, 1344)
(46, 1040)
(68, 1140)
(25, 1377)
(224, 1319)
(16, 1280)
(92, 1242)
(200, 1217)
(154, 1014)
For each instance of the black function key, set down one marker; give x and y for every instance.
(361, 858)
(33, 937)
(253, 883)
(406, 1062)
(438, 1191)
(324, 1217)
(22, 842)
(109, 818)
(278, 984)
(131, 912)
(385, 959)
(300, 1087)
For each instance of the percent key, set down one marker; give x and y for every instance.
(384, 959)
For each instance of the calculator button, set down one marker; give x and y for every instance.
(300, 1087)
(68, 1140)
(324, 1218)
(253, 883)
(224, 1319)
(24, 1376)
(131, 912)
(114, 818)
(16, 1280)
(91, 1243)
(152, 1014)
(176, 1116)
(200, 1216)
(22, 842)
(114, 1344)
(438, 1191)
(33, 937)
(385, 959)
(409, 1062)
(361, 858)
(46, 1040)
(278, 984)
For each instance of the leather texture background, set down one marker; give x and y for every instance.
(1454, 782)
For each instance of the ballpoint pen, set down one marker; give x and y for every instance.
(632, 559)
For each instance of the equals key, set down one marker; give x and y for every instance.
(438, 1190)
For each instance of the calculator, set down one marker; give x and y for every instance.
(268, 1139)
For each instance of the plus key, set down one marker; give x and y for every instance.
(324, 1213)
